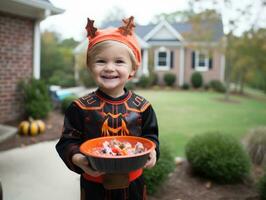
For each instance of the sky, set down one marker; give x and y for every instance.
(73, 21)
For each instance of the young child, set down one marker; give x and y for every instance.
(113, 58)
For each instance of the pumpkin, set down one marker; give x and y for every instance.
(31, 127)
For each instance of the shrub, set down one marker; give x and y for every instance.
(62, 78)
(262, 187)
(256, 145)
(206, 86)
(154, 78)
(185, 86)
(169, 79)
(218, 157)
(66, 102)
(130, 85)
(154, 177)
(86, 78)
(196, 80)
(217, 86)
(144, 81)
(36, 98)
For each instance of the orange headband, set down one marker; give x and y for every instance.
(123, 34)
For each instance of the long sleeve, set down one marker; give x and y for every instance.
(72, 137)
(150, 128)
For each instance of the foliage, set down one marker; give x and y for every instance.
(63, 79)
(218, 157)
(174, 16)
(262, 186)
(144, 81)
(206, 86)
(169, 79)
(255, 51)
(154, 177)
(256, 145)
(203, 24)
(116, 14)
(185, 86)
(86, 78)
(217, 86)
(196, 80)
(153, 78)
(130, 85)
(66, 102)
(57, 59)
(36, 98)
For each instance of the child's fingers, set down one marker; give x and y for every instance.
(152, 160)
(88, 170)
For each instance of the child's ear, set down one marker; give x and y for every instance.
(132, 74)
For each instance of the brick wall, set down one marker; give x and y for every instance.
(16, 51)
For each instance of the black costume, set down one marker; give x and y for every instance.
(98, 115)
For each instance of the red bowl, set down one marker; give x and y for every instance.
(116, 164)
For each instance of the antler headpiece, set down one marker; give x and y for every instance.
(124, 34)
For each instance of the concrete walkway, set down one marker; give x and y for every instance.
(36, 173)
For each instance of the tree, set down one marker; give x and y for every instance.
(115, 14)
(239, 58)
(57, 64)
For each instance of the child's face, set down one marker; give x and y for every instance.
(111, 69)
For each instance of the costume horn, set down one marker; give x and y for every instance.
(91, 30)
(128, 26)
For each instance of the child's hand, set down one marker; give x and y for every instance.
(81, 161)
(151, 161)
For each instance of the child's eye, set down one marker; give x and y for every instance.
(119, 61)
(100, 61)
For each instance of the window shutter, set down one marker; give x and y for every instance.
(193, 59)
(210, 63)
(172, 60)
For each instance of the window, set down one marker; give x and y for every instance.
(201, 61)
(162, 59)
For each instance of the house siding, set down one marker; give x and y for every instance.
(211, 74)
(16, 51)
(174, 70)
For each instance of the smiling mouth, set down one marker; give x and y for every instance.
(109, 77)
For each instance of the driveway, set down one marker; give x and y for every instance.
(36, 173)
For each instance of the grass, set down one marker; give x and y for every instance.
(183, 114)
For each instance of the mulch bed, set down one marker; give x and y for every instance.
(183, 185)
(54, 124)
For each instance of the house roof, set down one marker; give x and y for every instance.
(181, 28)
(37, 9)
(142, 31)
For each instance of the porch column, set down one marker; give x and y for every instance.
(222, 68)
(145, 70)
(37, 50)
(181, 66)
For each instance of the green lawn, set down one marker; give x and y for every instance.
(183, 114)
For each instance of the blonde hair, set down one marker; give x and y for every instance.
(98, 48)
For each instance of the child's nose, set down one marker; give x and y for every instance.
(109, 66)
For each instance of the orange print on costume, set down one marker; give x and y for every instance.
(110, 131)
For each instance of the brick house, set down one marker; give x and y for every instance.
(19, 49)
(166, 49)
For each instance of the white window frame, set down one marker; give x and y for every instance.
(168, 57)
(206, 61)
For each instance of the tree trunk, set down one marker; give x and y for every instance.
(241, 82)
(228, 79)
